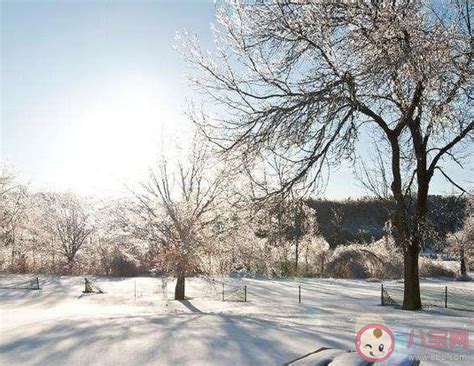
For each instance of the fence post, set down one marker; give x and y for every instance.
(446, 296)
(381, 295)
(245, 293)
(299, 294)
(135, 290)
(37, 283)
(222, 292)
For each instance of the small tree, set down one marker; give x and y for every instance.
(116, 249)
(314, 252)
(461, 243)
(285, 224)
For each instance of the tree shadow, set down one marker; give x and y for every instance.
(185, 338)
(191, 307)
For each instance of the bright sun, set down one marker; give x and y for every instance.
(116, 139)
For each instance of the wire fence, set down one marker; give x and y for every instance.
(20, 284)
(228, 291)
(151, 289)
(162, 288)
(450, 296)
(127, 289)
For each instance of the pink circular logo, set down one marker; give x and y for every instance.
(375, 342)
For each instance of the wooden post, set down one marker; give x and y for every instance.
(222, 292)
(381, 295)
(135, 290)
(299, 294)
(245, 293)
(446, 296)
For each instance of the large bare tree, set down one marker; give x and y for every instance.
(178, 209)
(305, 80)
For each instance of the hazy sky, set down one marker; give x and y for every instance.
(93, 90)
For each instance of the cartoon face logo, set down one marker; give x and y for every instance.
(375, 342)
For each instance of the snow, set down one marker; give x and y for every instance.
(58, 325)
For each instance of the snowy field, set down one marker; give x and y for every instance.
(136, 323)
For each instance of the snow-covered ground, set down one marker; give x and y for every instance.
(136, 323)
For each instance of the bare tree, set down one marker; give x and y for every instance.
(285, 225)
(118, 250)
(179, 211)
(461, 242)
(284, 220)
(13, 219)
(12, 204)
(68, 221)
(302, 80)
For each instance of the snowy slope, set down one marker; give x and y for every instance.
(58, 326)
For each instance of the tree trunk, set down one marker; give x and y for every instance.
(412, 299)
(411, 296)
(179, 289)
(70, 265)
(409, 238)
(462, 258)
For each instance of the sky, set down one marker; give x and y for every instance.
(92, 92)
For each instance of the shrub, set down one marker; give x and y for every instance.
(433, 268)
(123, 264)
(377, 260)
(353, 261)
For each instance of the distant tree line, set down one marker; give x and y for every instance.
(182, 223)
(365, 220)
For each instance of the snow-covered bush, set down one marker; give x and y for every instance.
(352, 261)
(123, 264)
(434, 268)
(378, 260)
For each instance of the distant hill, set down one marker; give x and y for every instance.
(363, 220)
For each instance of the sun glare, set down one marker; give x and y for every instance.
(118, 138)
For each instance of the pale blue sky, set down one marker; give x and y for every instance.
(93, 90)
